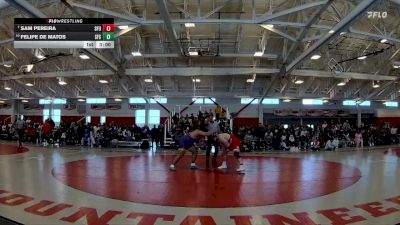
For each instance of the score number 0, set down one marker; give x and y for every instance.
(108, 27)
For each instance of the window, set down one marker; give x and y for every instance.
(391, 104)
(140, 117)
(312, 102)
(96, 101)
(56, 101)
(203, 100)
(354, 103)
(44, 101)
(160, 100)
(245, 101)
(198, 100)
(270, 101)
(365, 103)
(137, 101)
(208, 101)
(349, 103)
(154, 117)
(88, 119)
(102, 120)
(55, 115)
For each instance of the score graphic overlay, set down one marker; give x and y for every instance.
(64, 33)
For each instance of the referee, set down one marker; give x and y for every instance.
(212, 141)
(20, 124)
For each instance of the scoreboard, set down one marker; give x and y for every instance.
(64, 33)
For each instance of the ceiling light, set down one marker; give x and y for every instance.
(62, 82)
(383, 40)
(362, 57)
(83, 56)
(258, 53)
(81, 100)
(29, 84)
(299, 81)
(148, 80)
(7, 65)
(190, 25)
(250, 80)
(269, 26)
(396, 66)
(103, 81)
(343, 33)
(40, 56)
(28, 68)
(375, 84)
(136, 53)
(287, 100)
(24, 101)
(331, 31)
(325, 101)
(7, 88)
(118, 100)
(316, 56)
(193, 51)
(123, 27)
(342, 83)
(196, 80)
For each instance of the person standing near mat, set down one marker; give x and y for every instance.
(230, 142)
(212, 141)
(20, 124)
(188, 143)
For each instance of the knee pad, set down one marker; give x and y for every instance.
(236, 154)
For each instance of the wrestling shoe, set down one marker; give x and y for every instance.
(240, 169)
(193, 166)
(172, 167)
(223, 166)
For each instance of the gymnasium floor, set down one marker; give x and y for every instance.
(98, 187)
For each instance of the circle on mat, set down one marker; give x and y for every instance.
(392, 152)
(147, 180)
(11, 149)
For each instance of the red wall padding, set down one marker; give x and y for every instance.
(394, 121)
(127, 121)
(35, 119)
(3, 117)
(163, 119)
(95, 120)
(244, 122)
(70, 119)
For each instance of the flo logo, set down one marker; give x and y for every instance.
(377, 15)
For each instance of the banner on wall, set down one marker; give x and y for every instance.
(312, 113)
(33, 107)
(97, 107)
(69, 106)
(135, 107)
(5, 106)
(113, 106)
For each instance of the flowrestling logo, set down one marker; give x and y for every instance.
(377, 15)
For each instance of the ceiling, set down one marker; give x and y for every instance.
(227, 33)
